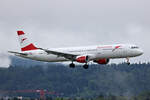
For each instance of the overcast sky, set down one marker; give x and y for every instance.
(64, 23)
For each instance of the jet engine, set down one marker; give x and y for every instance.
(102, 61)
(82, 59)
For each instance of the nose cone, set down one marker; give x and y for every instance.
(139, 52)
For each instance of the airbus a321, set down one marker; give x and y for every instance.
(100, 54)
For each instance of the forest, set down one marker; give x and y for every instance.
(99, 81)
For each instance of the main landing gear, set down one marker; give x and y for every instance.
(72, 65)
(85, 66)
(128, 62)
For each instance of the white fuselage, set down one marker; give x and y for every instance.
(94, 52)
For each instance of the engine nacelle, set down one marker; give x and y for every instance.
(82, 59)
(102, 61)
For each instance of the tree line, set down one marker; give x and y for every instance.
(114, 80)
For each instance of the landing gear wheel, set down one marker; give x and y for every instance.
(86, 66)
(72, 65)
(128, 62)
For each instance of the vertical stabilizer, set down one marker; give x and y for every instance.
(24, 43)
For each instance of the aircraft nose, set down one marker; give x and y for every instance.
(140, 52)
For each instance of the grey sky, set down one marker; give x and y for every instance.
(63, 23)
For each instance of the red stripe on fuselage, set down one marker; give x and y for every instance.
(29, 47)
(20, 32)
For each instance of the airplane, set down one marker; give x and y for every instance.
(100, 54)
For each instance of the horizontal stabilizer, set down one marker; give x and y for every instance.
(18, 53)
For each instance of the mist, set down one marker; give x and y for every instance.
(5, 61)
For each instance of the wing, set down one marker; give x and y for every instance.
(60, 54)
(18, 53)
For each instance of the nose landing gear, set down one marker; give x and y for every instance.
(128, 62)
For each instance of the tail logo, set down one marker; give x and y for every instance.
(23, 40)
(116, 47)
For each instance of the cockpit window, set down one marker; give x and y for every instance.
(134, 47)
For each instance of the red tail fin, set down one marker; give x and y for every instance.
(29, 47)
(25, 44)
